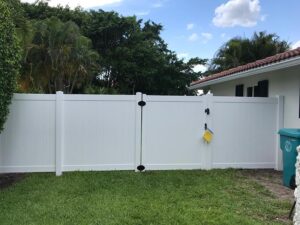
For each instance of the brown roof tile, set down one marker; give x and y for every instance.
(259, 63)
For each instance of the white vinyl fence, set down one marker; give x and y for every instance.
(56, 133)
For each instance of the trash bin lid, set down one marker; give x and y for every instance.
(290, 132)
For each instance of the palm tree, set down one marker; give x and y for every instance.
(239, 51)
(62, 55)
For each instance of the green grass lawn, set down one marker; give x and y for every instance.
(216, 197)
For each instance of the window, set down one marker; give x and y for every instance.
(263, 88)
(249, 91)
(260, 90)
(239, 90)
(256, 91)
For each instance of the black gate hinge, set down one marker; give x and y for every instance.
(142, 103)
(141, 168)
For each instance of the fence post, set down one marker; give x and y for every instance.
(207, 163)
(297, 190)
(280, 124)
(138, 130)
(59, 132)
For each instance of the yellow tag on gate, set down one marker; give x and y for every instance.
(207, 136)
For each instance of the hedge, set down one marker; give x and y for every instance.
(9, 60)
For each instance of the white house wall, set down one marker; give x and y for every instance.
(284, 82)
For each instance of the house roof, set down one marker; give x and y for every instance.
(250, 66)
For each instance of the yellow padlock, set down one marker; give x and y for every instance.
(208, 135)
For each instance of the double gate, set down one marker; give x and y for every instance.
(245, 132)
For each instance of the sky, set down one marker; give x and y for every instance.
(198, 28)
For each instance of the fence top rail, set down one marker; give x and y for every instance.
(70, 97)
(270, 100)
(156, 98)
(73, 97)
(34, 97)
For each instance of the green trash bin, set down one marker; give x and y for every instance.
(289, 141)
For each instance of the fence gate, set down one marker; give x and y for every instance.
(171, 132)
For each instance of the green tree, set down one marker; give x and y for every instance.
(59, 57)
(41, 11)
(239, 51)
(9, 60)
(134, 57)
(22, 24)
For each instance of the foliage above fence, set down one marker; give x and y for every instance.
(9, 60)
(133, 56)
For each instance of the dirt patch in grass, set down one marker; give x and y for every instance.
(7, 180)
(272, 180)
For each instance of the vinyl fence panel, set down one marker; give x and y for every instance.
(99, 132)
(27, 143)
(244, 132)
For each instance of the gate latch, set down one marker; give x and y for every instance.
(207, 111)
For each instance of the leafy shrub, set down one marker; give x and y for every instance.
(9, 60)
